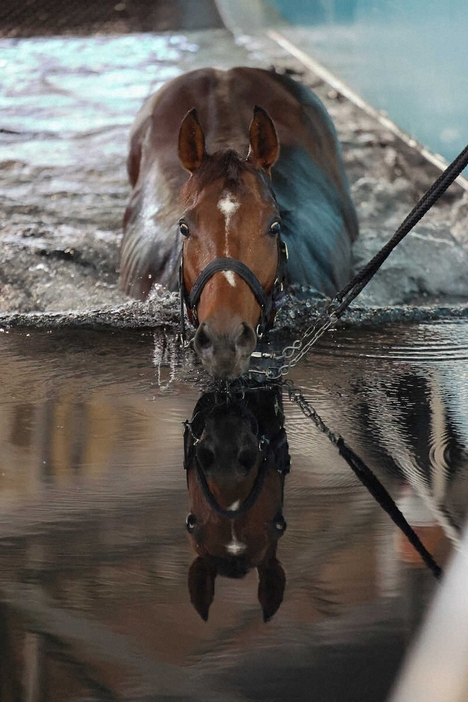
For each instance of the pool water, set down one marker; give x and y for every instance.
(94, 552)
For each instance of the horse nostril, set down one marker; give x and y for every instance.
(224, 352)
(246, 339)
(203, 340)
(247, 459)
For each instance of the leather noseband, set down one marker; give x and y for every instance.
(269, 303)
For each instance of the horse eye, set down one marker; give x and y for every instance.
(280, 523)
(275, 228)
(191, 522)
(184, 229)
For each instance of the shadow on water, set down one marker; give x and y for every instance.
(98, 576)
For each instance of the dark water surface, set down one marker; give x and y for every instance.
(94, 553)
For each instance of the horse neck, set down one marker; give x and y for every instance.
(224, 125)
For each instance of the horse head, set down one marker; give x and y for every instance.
(231, 269)
(236, 458)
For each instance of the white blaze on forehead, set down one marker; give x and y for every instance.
(228, 205)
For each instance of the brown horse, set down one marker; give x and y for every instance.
(236, 458)
(208, 184)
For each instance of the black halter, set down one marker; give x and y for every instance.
(274, 450)
(269, 304)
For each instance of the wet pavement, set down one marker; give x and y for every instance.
(94, 553)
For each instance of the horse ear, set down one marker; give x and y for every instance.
(264, 144)
(272, 581)
(201, 577)
(191, 142)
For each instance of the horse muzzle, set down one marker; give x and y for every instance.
(225, 355)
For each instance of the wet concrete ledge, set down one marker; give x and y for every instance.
(295, 320)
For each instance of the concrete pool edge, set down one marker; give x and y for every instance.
(146, 316)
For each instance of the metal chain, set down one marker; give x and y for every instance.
(295, 352)
(292, 354)
(296, 395)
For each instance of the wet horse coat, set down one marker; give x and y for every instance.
(283, 173)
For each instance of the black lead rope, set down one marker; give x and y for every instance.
(344, 298)
(367, 478)
(377, 490)
(338, 305)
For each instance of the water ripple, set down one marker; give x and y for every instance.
(438, 342)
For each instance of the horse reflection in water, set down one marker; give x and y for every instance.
(236, 460)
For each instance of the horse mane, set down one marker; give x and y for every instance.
(221, 165)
